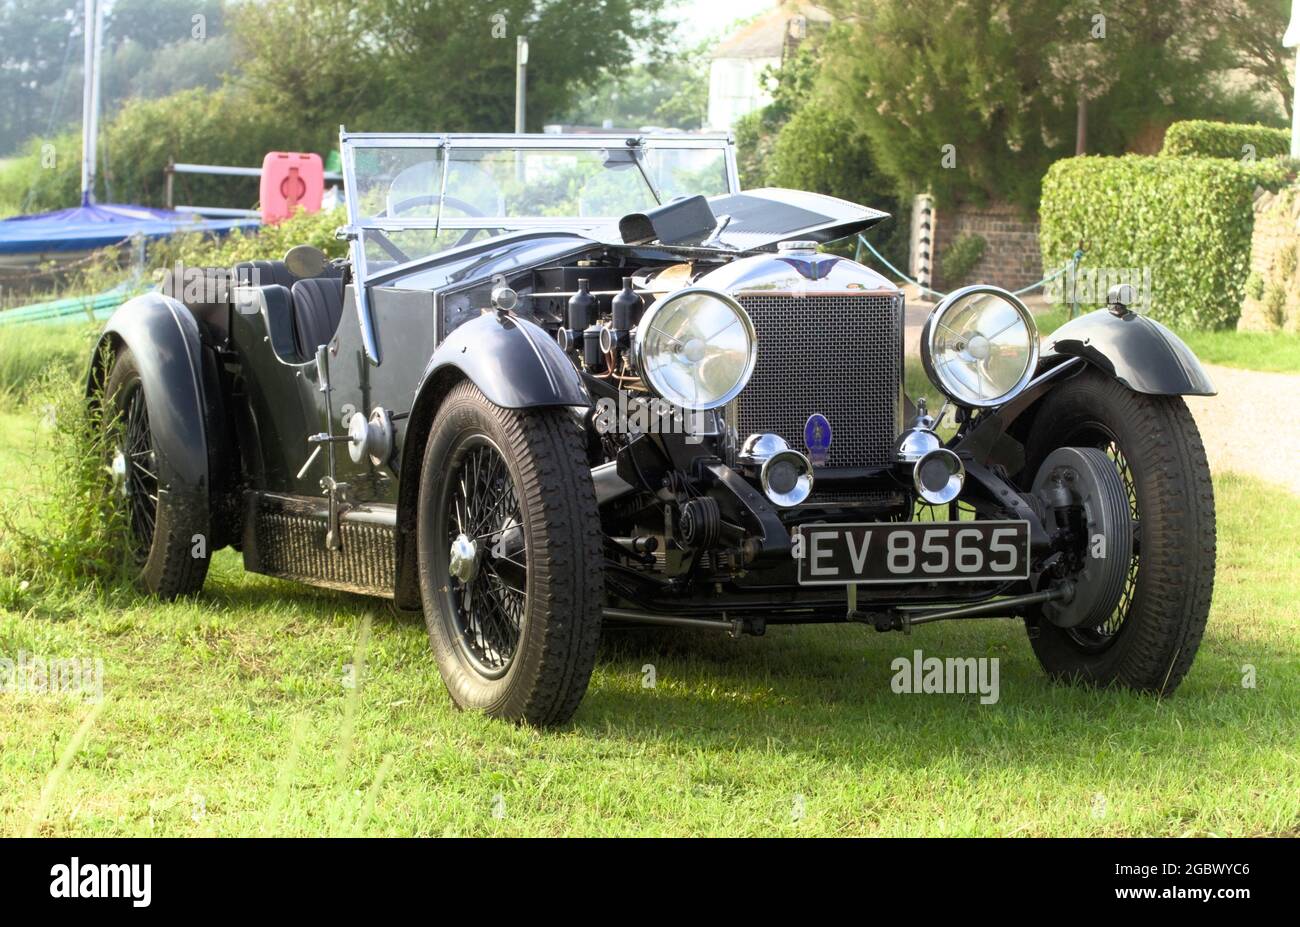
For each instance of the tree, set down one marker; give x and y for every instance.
(41, 57)
(792, 86)
(312, 61)
(1254, 32)
(39, 36)
(670, 93)
(974, 99)
(444, 65)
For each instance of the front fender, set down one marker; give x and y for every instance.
(1137, 351)
(516, 365)
(164, 338)
(513, 362)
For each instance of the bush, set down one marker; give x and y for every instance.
(268, 243)
(818, 152)
(69, 532)
(46, 174)
(210, 127)
(960, 259)
(754, 140)
(1204, 139)
(1188, 220)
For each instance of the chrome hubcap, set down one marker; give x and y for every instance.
(464, 559)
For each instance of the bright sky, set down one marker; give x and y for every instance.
(702, 18)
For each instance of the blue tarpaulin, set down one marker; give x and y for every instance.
(99, 225)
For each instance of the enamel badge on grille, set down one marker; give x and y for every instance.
(817, 438)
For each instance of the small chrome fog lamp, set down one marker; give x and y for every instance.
(787, 478)
(938, 476)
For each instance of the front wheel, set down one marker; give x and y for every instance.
(510, 558)
(1148, 642)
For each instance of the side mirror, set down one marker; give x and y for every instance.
(306, 261)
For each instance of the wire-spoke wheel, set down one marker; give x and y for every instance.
(1148, 641)
(487, 554)
(509, 548)
(135, 467)
(168, 536)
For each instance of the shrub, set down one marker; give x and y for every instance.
(818, 152)
(1188, 220)
(265, 244)
(1204, 139)
(960, 259)
(1275, 305)
(46, 174)
(70, 531)
(211, 127)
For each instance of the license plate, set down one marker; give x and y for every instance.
(932, 551)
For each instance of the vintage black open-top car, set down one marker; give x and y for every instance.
(565, 381)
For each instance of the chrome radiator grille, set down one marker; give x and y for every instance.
(840, 355)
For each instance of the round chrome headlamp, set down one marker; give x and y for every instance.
(980, 346)
(695, 348)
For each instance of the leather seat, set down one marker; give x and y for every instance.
(264, 273)
(317, 309)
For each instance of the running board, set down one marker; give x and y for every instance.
(284, 536)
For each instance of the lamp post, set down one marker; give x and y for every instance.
(521, 80)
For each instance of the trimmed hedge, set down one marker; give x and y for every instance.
(1189, 220)
(1204, 139)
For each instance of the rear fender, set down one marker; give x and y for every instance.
(164, 338)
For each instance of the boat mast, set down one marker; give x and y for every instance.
(94, 30)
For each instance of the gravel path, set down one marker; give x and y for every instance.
(1243, 429)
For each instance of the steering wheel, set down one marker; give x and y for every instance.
(429, 199)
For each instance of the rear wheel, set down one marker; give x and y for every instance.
(168, 537)
(1148, 641)
(509, 546)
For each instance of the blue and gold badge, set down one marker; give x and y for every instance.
(817, 438)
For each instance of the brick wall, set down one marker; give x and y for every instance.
(1011, 254)
(1273, 286)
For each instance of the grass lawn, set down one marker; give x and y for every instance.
(237, 713)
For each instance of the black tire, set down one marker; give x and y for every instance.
(163, 531)
(1149, 642)
(526, 652)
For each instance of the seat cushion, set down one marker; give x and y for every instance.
(317, 308)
